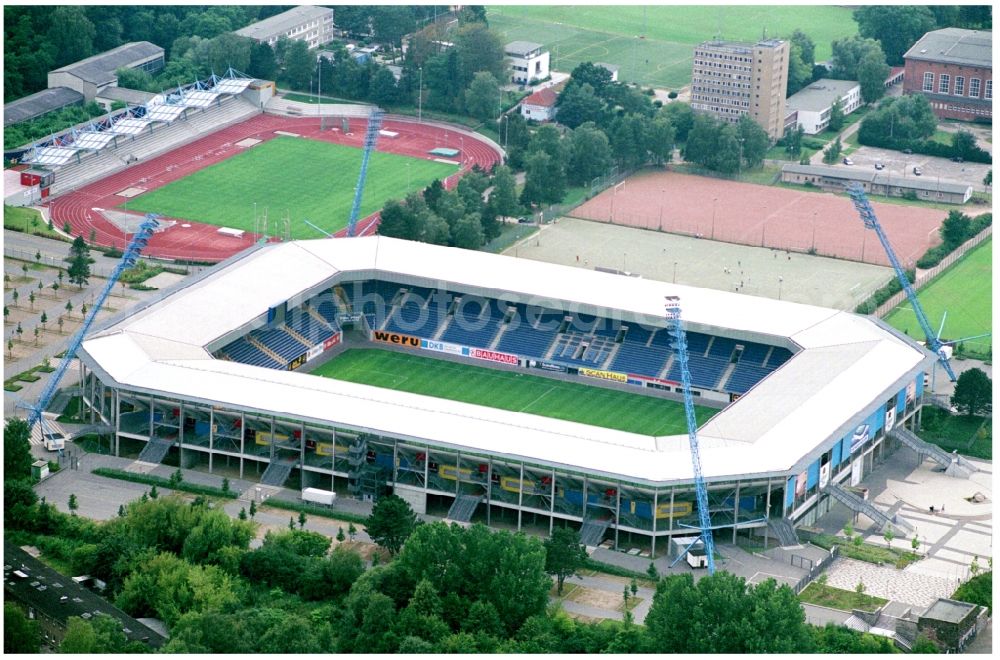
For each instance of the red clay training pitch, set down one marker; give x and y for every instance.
(763, 216)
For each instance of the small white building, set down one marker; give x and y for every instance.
(311, 24)
(613, 68)
(813, 103)
(527, 61)
(540, 106)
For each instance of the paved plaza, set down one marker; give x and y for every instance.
(697, 262)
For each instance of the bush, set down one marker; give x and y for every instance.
(978, 590)
(150, 480)
(672, 95)
(934, 255)
(881, 295)
(315, 510)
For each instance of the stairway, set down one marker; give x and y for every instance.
(858, 505)
(277, 473)
(154, 451)
(463, 507)
(955, 465)
(592, 532)
(855, 622)
(784, 531)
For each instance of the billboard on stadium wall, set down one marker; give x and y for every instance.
(332, 341)
(494, 356)
(603, 375)
(443, 347)
(395, 338)
(547, 366)
(298, 362)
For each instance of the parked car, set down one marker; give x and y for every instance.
(908, 151)
(879, 165)
(524, 221)
(957, 159)
(917, 171)
(848, 161)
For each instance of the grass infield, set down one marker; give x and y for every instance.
(965, 291)
(307, 179)
(610, 33)
(518, 392)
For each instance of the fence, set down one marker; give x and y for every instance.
(28, 256)
(814, 568)
(929, 274)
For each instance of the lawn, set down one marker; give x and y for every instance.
(957, 432)
(965, 292)
(518, 392)
(839, 599)
(20, 218)
(306, 179)
(610, 33)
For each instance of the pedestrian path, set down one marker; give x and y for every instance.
(910, 587)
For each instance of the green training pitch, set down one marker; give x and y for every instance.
(307, 179)
(965, 291)
(596, 406)
(609, 33)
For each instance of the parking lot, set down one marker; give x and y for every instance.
(900, 164)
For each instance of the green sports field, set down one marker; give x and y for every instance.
(965, 291)
(505, 390)
(307, 179)
(610, 33)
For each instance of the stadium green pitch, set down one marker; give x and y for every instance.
(965, 291)
(307, 179)
(596, 406)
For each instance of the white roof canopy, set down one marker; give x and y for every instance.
(845, 363)
(129, 126)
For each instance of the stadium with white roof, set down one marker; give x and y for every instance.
(213, 372)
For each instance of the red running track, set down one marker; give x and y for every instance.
(202, 242)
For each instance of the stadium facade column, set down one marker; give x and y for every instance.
(302, 456)
(152, 412)
(586, 496)
(118, 415)
(656, 508)
(618, 511)
(736, 510)
(767, 511)
(552, 499)
(180, 433)
(211, 438)
(520, 497)
(489, 491)
(671, 518)
(243, 440)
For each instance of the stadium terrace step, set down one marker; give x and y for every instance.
(256, 343)
(463, 507)
(277, 473)
(955, 465)
(592, 532)
(784, 531)
(858, 505)
(154, 451)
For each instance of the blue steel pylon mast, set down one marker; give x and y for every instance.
(135, 246)
(864, 208)
(673, 308)
(371, 136)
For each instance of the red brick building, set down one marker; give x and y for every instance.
(953, 68)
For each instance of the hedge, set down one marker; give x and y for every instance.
(151, 480)
(934, 255)
(881, 295)
(315, 510)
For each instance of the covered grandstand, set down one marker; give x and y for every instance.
(215, 371)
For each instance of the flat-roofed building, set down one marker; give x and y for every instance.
(99, 71)
(528, 62)
(313, 25)
(815, 102)
(835, 179)
(731, 79)
(953, 68)
(108, 96)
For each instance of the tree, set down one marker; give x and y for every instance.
(963, 143)
(590, 155)
(579, 104)
(836, 115)
(988, 179)
(544, 181)
(888, 536)
(80, 637)
(340, 535)
(79, 262)
(973, 392)
(895, 27)
(955, 229)
(848, 54)
(734, 617)
(564, 555)
(588, 73)
(754, 141)
(482, 98)
(72, 34)
(793, 141)
(15, 295)
(17, 457)
(660, 136)
(153, 493)
(391, 523)
(73, 504)
(55, 290)
(43, 320)
(807, 49)
(504, 194)
(832, 153)
(302, 519)
(799, 71)
(31, 299)
(351, 530)
(262, 61)
(478, 49)
(727, 157)
(872, 72)
(915, 543)
(299, 64)
(391, 23)
(20, 634)
(383, 89)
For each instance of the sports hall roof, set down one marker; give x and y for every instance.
(845, 363)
